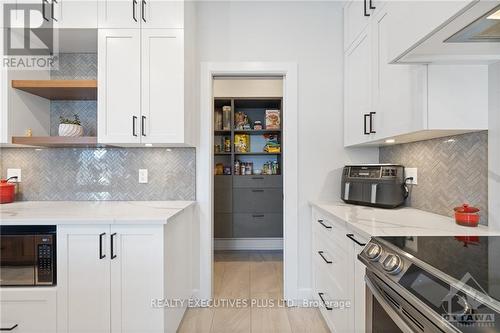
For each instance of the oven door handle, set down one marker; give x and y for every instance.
(398, 320)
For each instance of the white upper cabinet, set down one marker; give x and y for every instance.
(136, 13)
(162, 86)
(124, 14)
(161, 14)
(406, 102)
(357, 90)
(119, 86)
(417, 20)
(74, 14)
(356, 18)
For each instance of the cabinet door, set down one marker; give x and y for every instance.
(162, 119)
(357, 91)
(28, 310)
(136, 278)
(76, 14)
(359, 288)
(119, 81)
(162, 14)
(399, 91)
(83, 279)
(355, 20)
(119, 14)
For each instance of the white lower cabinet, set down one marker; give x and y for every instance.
(28, 310)
(338, 276)
(110, 276)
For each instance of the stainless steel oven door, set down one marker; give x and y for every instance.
(389, 312)
(17, 260)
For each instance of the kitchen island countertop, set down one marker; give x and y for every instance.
(90, 212)
(404, 221)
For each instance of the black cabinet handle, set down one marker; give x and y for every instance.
(351, 237)
(257, 178)
(371, 122)
(134, 3)
(322, 256)
(365, 117)
(365, 12)
(113, 256)
(371, 5)
(324, 225)
(134, 120)
(143, 10)
(43, 10)
(257, 191)
(258, 215)
(8, 328)
(52, 7)
(101, 256)
(324, 303)
(143, 125)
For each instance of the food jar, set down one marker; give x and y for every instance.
(467, 216)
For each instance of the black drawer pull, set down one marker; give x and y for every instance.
(113, 255)
(351, 237)
(322, 256)
(324, 303)
(257, 191)
(365, 130)
(371, 122)
(8, 328)
(101, 256)
(324, 225)
(365, 13)
(258, 215)
(257, 178)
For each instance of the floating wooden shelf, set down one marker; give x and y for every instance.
(59, 89)
(56, 141)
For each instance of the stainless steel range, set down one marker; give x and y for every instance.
(432, 284)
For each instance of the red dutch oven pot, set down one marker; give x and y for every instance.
(467, 216)
(7, 190)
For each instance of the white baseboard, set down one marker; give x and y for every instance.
(248, 244)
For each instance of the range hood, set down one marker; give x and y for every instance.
(486, 29)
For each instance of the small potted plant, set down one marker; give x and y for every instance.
(69, 127)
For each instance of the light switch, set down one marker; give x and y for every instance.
(411, 172)
(143, 176)
(14, 173)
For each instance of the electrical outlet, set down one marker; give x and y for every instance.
(14, 173)
(143, 176)
(411, 172)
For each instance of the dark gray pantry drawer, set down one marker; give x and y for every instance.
(262, 200)
(258, 181)
(223, 225)
(223, 194)
(258, 225)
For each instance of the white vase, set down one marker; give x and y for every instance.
(70, 130)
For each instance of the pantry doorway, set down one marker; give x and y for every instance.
(265, 127)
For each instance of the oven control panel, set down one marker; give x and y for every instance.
(45, 260)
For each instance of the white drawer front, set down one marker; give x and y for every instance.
(329, 226)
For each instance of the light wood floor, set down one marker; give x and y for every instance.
(256, 276)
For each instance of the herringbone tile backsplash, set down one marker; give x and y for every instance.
(102, 173)
(451, 171)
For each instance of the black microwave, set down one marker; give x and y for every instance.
(27, 255)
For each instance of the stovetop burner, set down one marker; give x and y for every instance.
(460, 257)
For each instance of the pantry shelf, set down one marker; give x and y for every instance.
(56, 141)
(258, 153)
(265, 131)
(59, 89)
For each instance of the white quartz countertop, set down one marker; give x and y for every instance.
(368, 221)
(90, 212)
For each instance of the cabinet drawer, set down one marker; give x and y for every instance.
(31, 309)
(327, 225)
(257, 200)
(223, 225)
(223, 194)
(258, 225)
(258, 181)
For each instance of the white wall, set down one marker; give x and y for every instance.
(309, 34)
(494, 146)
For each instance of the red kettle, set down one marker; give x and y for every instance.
(7, 190)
